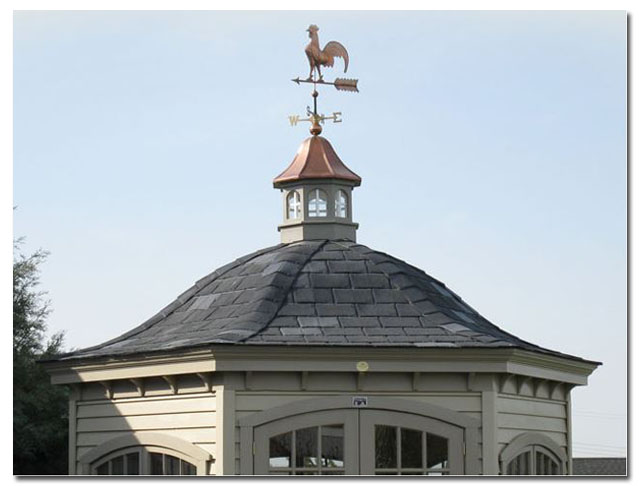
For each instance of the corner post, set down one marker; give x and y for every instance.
(74, 396)
(225, 460)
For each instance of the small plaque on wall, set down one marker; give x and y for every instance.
(359, 402)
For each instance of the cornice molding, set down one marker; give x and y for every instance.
(336, 359)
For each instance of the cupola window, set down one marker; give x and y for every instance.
(341, 204)
(317, 204)
(293, 205)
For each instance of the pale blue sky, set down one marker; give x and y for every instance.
(492, 147)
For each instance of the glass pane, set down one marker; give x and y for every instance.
(280, 450)
(332, 446)
(187, 469)
(341, 205)
(519, 466)
(103, 469)
(171, 466)
(437, 451)
(322, 205)
(117, 466)
(386, 447)
(293, 204)
(525, 463)
(133, 464)
(410, 448)
(540, 463)
(156, 464)
(307, 447)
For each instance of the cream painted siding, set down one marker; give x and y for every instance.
(190, 417)
(250, 402)
(520, 414)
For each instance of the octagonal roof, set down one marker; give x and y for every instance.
(321, 293)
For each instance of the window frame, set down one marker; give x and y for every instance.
(144, 460)
(315, 195)
(297, 205)
(148, 442)
(337, 203)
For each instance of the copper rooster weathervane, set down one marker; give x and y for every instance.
(317, 58)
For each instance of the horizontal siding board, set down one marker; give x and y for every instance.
(526, 406)
(148, 422)
(528, 422)
(147, 407)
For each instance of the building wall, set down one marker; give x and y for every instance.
(533, 407)
(189, 414)
(208, 416)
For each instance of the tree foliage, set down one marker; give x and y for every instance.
(40, 410)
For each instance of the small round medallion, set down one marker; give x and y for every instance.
(362, 366)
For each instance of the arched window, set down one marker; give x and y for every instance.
(145, 453)
(137, 461)
(536, 461)
(532, 454)
(293, 205)
(341, 204)
(317, 204)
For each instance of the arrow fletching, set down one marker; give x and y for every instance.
(344, 84)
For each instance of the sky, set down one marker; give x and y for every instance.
(492, 147)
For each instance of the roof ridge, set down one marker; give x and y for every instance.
(286, 293)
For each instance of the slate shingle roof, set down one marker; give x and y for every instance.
(314, 293)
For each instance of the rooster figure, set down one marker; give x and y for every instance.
(323, 57)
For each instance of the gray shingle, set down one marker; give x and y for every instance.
(359, 321)
(336, 309)
(331, 281)
(355, 296)
(356, 266)
(400, 321)
(297, 310)
(340, 331)
(369, 281)
(313, 296)
(292, 331)
(318, 321)
(385, 296)
(377, 310)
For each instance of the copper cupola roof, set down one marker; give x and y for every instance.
(316, 159)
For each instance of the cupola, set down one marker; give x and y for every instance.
(317, 194)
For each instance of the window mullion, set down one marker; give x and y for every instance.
(398, 447)
(424, 452)
(319, 450)
(293, 452)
